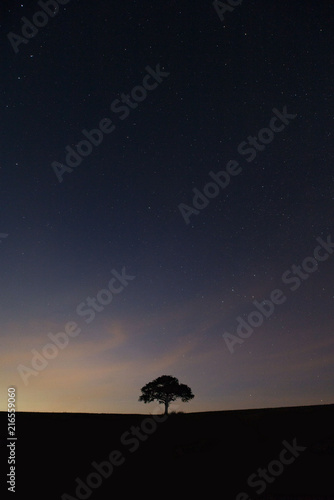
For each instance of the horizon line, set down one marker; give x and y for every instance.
(180, 412)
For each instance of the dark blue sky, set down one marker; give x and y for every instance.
(222, 85)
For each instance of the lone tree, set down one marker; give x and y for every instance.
(165, 389)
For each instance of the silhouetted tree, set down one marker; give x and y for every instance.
(165, 389)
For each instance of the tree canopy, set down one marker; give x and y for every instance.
(165, 389)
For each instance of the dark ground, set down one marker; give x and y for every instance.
(212, 453)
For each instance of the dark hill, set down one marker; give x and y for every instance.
(211, 452)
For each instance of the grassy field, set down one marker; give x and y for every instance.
(235, 455)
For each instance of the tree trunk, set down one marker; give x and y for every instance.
(166, 407)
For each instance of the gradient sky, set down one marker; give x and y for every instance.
(120, 207)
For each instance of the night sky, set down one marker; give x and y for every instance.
(208, 193)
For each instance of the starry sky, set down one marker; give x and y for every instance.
(111, 247)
